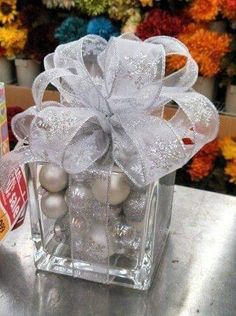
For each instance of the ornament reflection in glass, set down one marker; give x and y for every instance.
(111, 233)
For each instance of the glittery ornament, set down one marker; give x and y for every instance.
(53, 178)
(53, 205)
(95, 246)
(78, 195)
(135, 206)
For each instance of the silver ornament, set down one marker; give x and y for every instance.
(114, 211)
(78, 195)
(80, 199)
(79, 225)
(95, 246)
(123, 233)
(134, 207)
(119, 188)
(53, 205)
(133, 249)
(62, 229)
(53, 178)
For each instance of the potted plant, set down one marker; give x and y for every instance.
(40, 42)
(12, 42)
(229, 78)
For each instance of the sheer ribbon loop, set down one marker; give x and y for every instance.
(107, 92)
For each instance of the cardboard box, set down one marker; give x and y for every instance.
(4, 142)
(22, 96)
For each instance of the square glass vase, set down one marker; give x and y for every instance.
(104, 231)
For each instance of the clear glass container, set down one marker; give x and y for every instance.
(83, 230)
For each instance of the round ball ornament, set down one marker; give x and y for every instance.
(135, 206)
(53, 205)
(61, 229)
(79, 226)
(119, 188)
(123, 233)
(133, 248)
(95, 247)
(78, 195)
(53, 178)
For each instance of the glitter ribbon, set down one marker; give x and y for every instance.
(108, 92)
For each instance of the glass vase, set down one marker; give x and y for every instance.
(99, 229)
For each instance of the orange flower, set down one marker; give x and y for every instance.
(211, 148)
(206, 47)
(200, 168)
(227, 10)
(204, 10)
(203, 162)
(230, 170)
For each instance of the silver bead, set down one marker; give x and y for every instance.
(118, 191)
(135, 206)
(53, 178)
(53, 205)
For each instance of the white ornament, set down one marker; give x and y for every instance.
(119, 188)
(53, 178)
(53, 205)
(94, 247)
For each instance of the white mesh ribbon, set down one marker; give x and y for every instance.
(108, 91)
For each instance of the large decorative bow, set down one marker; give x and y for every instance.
(108, 91)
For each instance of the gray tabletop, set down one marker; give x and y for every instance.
(197, 275)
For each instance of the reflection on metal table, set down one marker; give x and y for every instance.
(197, 275)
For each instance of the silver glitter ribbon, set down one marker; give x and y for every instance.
(108, 92)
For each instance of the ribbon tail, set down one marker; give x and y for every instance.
(196, 120)
(12, 161)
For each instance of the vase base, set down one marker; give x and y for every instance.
(130, 275)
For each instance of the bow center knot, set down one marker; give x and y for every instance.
(106, 122)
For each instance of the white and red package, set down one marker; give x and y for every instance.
(13, 203)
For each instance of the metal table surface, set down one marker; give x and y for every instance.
(197, 275)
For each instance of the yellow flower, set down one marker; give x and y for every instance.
(145, 3)
(230, 170)
(132, 22)
(7, 11)
(12, 40)
(228, 148)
